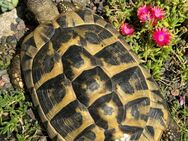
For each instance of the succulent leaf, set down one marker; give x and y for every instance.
(6, 5)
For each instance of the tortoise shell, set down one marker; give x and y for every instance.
(87, 83)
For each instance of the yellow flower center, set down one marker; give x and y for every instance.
(161, 38)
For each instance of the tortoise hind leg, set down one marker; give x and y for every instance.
(14, 72)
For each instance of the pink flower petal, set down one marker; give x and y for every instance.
(182, 100)
(143, 10)
(126, 29)
(145, 14)
(158, 13)
(162, 37)
(145, 17)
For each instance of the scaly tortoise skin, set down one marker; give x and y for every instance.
(87, 83)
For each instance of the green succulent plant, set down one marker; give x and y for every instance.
(6, 5)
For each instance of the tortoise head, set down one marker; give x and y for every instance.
(44, 10)
(72, 5)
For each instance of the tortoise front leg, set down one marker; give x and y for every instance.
(15, 72)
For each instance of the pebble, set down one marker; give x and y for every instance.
(4, 80)
(43, 138)
(13, 30)
(6, 21)
(31, 114)
(2, 72)
(97, 6)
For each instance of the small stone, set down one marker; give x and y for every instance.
(43, 138)
(8, 85)
(6, 78)
(31, 114)
(2, 83)
(3, 72)
(13, 27)
(19, 34)
(6, 20)
(18, 19)
(175, 92)
(11, 40)
(3, 39)
(21, 26)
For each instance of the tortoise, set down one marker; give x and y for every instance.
(85, 80)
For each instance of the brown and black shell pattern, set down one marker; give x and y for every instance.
(88, 85)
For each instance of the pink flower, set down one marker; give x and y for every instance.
(158, 13)
(182, 100)
(144, 13)
(126, 29)
(147, 13)
(161, 36)
(143, 10)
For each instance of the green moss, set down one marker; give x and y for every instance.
(180, 115)
(6, 5)
(14, 120)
